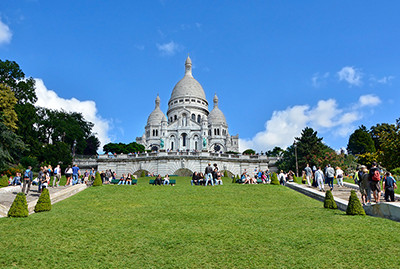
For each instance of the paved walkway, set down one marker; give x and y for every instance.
(7, 196)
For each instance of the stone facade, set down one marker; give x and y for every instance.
(188, 126)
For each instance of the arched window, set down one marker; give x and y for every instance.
(172, 145)
(209, 132)
(198, 118)
(193, 117)
(195, 145)
(184, 139)
(154, 133)
(170, 119)
(217, 131)
(184, 120)
(175, 118)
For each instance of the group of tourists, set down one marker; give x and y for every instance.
(161, 181)
(125, 180)
(369, 182)
(259, 176)
(211, 175)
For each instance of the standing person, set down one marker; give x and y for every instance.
(108, 175)
(75, 174)
(308, 174)
(208, 174)
(282, 178)
(28, 177)
(389, 184)
(68, 175)
(330, 174)
(339, 176)
(41, 175)
(319, 178)
(57, 176)
(375, 178)
(364, 180)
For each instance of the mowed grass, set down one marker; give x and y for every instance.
(183, 226)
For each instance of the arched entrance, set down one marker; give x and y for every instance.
(183, 172)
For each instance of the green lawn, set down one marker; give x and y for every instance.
(229, 226)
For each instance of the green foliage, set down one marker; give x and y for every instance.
(7, 104)
(143, 173)
(354, 206)
(396, 171)
(57, 153)
(97, 180)
(275, 152)
(329, 201)
(390, 146)
(92, 145)
(274, 179)
(29, 161)
(225, 173)
(3, 181)
(44, 202)
(360, 142)
(123, 148)
(11, 146)
(19, 207)
(249, 152)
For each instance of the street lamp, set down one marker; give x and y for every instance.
(295, 154)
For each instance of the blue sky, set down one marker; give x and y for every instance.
(276, 66)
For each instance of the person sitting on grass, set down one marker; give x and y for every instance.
(122, 180)
(201, 179)
(128, 180)
(158, 180)
(247, 180)
(195, 179)
(219, 179)
(166, 180)
(264, 178)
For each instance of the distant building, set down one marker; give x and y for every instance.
(188, 125)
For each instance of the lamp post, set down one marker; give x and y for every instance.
(295, 154)
(73, 151)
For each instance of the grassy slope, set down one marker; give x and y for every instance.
(182, 226)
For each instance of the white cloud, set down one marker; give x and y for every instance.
(287, 124)
(50, 99)
(350, 75)
(318, 80)
(169, 48)
(5, 33)
(369, 100)
(385, 80)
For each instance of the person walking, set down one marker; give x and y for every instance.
(68, 175)
(28, 177)
(389, 184)
(208, 174)
(320, 178)
(375, 178)
(57, 176)
(339, 176)
(364, 184)
(308, 172)
(75, 174)
(330, 174)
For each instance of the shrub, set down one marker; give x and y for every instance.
(4, 181)
(225, 173)
(295, 179)
(19, 207)
(329, 201)
(396, 171)
(97, 180)
(274, 179)
(44, 203)
(354, 206)
(143, 174)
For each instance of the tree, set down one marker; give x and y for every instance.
(377, 130)
(389, 142)
(123, 148)
(11, 146)
(360, 142)
(275, 152)
(249, 152)
(7, 104)
(92, 145)
(57, 153)
(12, 76)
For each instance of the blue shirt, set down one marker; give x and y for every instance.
(389, 182)
(75, 170)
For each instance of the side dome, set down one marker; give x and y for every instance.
(188, 86)
(216, 116)
(156, 116)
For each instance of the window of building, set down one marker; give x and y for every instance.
(186, 100)
(184, 140)
(198, 118)
(181, 101)
(175, 117)
(193, 117)
(217, 131)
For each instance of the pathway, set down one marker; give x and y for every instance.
(7, 195)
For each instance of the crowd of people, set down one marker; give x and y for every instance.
(211, 175)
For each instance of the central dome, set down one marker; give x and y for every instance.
(188, 86)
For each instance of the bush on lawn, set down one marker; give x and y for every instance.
(19, 207)
(3, 181)
(44, 203)
(274, 179)
(97, 180)
(225, 173)
(143, 174)
(354, 206)
(329, 201)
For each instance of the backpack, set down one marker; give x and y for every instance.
(26, 174)
(376, 176)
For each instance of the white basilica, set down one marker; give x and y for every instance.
(188, 125)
